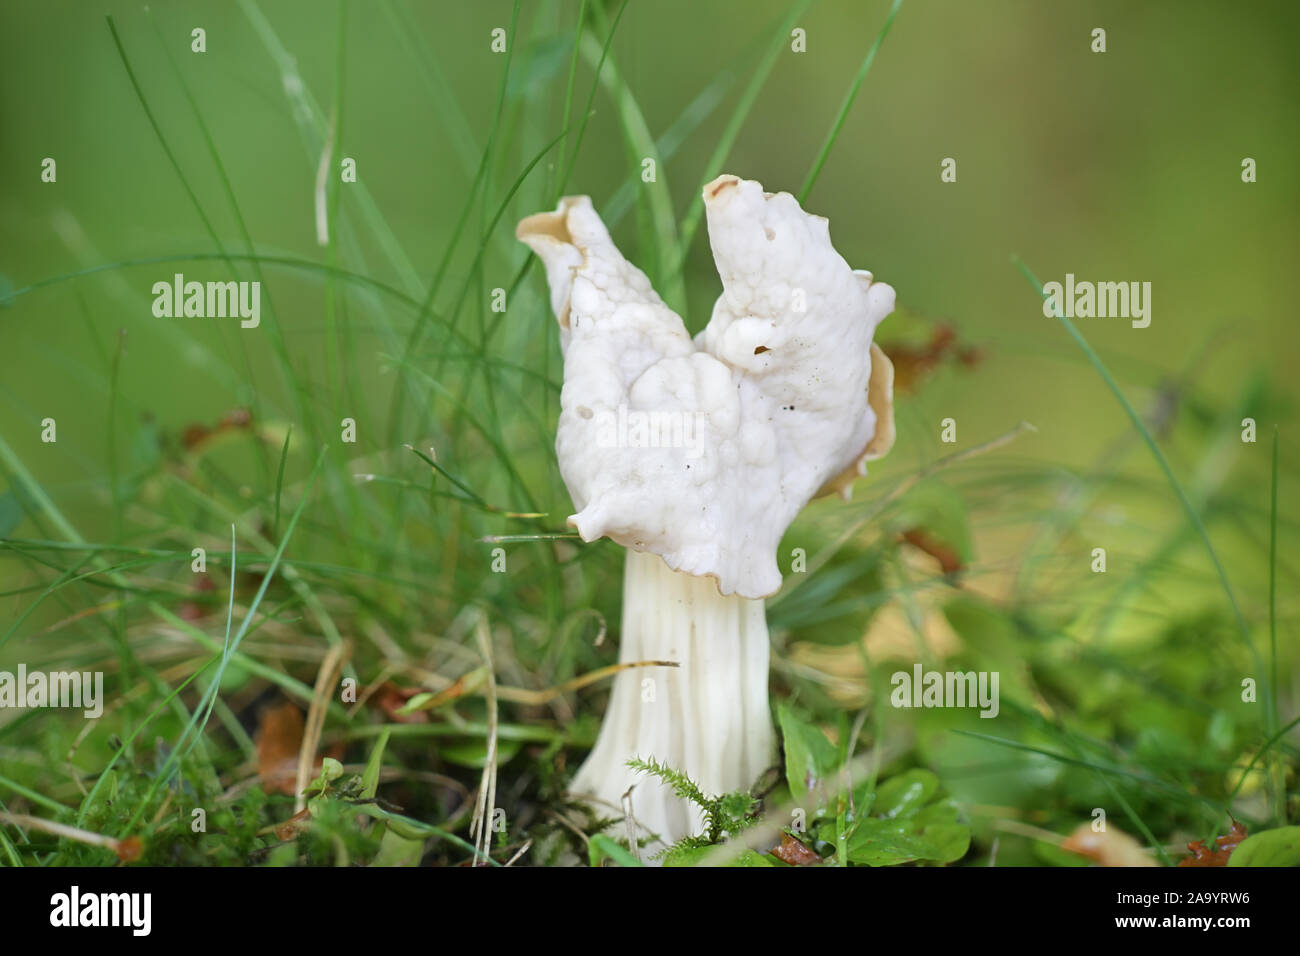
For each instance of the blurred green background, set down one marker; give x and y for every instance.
(1118, 166)
(1122, 165)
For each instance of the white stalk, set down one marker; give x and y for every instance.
(708, 717)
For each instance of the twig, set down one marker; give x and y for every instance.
(520, 852)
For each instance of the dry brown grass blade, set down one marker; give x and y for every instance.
(127, 849)
(477, 680)
(520, 852)
(521, 695)
(480, 828)
(326, 679)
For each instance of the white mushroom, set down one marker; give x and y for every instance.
(696, 456)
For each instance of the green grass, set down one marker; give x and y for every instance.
(811, 179)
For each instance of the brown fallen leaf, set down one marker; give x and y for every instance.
(1111, 847)
(467, 683)
(913, 363)
(389, 698)
(279, 738)
(795, 852)
(289, 829)
(193, 610)
(1202, 855)
(196, 435)
(949, 560)
(279, 741)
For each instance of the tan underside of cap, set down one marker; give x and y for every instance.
(880, 396)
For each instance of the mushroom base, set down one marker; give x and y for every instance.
(708, 717)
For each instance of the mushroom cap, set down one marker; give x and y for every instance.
(704, 451)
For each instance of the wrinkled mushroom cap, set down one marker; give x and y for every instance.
(704, 451)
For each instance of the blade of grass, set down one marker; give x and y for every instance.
(472, 420)
(641, 146)
(312, 126)
(414, 829)
(162, 140)
(230, 646)
(1278, 774)
(279, 484)
(1144, 779)
(37, 798)
(89, 799)
(10, 850)
(67, 577)
(288, 262)
(852, 94)
(202, 214)
(1268, 746)
(453, 243)
(713, 167)
(454, 126)
(1159, 456)
(37, 495)
(455, 312)
(568, 98)
(251, 529)
(470, 494)
(591, 96)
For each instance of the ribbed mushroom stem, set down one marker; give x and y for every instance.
(708, 717)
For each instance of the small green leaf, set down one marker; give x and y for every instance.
(602, 847)
(932, 834)
(473, 753)
(906, 826)
(370, 779)
(907, 792)
(810, 758)
(331, 769)
(397, 850)
(1280, 847)
(685, 855)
